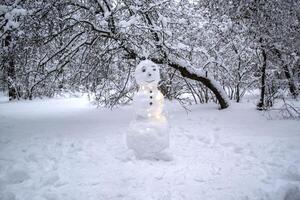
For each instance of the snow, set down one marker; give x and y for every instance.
(131, 21)
(19, 11)
(11, 16)
(67, 149)
(4, 9)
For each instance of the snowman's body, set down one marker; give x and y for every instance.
(148, 133)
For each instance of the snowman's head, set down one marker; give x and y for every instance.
(147, 73)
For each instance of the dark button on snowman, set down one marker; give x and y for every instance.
(148, 133)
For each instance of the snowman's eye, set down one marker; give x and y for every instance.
(154, 69)
(143, 70)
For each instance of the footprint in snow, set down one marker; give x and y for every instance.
(4, 141)
(16, 177)
(210, 139)
(7, 196)
(216, 129)
(50, 179)
(180, 131)
(191, 137)
(50, 196)
(235, 148)
(183, 130)
(287, 191)
(292, 174)
(238, 150)
(211, 120)
(203, 139)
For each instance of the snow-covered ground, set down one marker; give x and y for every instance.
(66, 149)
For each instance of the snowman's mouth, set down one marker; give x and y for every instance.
(150, 81)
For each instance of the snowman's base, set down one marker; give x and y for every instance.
(149, 138)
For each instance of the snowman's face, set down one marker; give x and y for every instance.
(147, 72)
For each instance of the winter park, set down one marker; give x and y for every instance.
(149, 100)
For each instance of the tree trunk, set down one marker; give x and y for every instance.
(288, 74)
(10, 68)
(238, 93)
(261, 103)
(292, 86)
(205, 81)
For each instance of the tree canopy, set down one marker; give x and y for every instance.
(208, 50)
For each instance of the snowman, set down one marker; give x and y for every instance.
(148, 133)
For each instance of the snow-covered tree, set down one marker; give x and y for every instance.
(207, 50)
